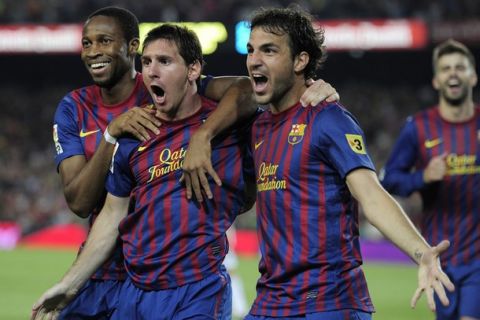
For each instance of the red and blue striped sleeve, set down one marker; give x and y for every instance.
(397, 177)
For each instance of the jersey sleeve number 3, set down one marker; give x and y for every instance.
(355, 141)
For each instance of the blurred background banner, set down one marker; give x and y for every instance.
(10, 233)
(41, 39)
(63, 236)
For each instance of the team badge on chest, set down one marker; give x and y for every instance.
(296, 133)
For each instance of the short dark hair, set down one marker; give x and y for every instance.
(186, 40)
(451, 46)
(297, 24)
(126, 19)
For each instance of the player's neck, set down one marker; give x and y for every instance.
(290, 98)
(121, 90)
(457, 113)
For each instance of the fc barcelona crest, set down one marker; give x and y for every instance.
(297, 133)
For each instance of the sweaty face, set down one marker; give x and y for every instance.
(105, 51)
(454, 78)
(165, 74)
(270, 66)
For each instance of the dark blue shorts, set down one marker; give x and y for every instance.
(349, 314)
(96, 300)
(209, 298)
(464, 301)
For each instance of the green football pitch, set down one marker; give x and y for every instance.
(26, 273)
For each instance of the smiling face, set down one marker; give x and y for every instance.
(454, 78)
(169, 79)
(105, 52)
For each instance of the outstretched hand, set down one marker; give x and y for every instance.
(431, 278)
(197, 164)
(51, 303)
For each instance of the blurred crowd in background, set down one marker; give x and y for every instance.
(30, 186)
(45, 11)
(31, 193)
(29, 183)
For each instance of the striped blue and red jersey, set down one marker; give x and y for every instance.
(80, 120)
(306, 217)
(168, 240)
(451, 207)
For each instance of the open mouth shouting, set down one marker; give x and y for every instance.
(454, 85)
(259, 83)
(158, 94)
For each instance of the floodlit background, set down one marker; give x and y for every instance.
(379, 61)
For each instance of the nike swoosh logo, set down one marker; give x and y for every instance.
(83, 134)
(432, 143)
(258, 144)
(140, 149)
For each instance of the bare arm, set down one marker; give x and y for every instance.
(383, 212)
(83, 182)
(236, 104)
(217, 86)
(97, 250)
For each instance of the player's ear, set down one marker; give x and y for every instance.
(435, 83)
(300, 62)
(133, 46)
(194, 70)
(474, 79)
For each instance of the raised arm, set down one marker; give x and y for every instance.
(97, 250)
(383, 212)
(237, 103)
(83, 182)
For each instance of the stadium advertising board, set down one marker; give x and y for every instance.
(61, 38)
(360, 34)
(66, 38)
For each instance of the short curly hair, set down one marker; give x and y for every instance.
(303, 36)
(127, 21)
